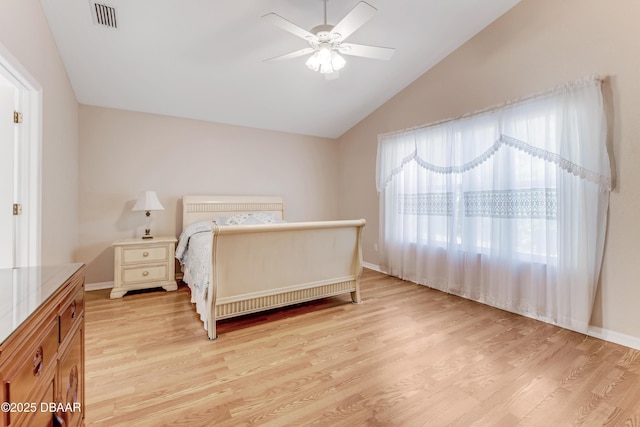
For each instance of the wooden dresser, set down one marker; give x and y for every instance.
(42, 346)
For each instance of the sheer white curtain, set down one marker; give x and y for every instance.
(506, 207)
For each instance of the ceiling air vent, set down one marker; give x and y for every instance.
(104, 15)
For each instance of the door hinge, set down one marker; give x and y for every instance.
(17, 208)
(17, 117)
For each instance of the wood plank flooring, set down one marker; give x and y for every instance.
(407, 356)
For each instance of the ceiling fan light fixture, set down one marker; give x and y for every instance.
(326, 68)
(337, 61)
(325, 60)
(313, 62)
(324, 53)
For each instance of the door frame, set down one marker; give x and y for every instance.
(28, 248)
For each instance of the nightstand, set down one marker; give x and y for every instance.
(142, 264)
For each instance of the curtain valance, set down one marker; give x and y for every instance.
(474, 139)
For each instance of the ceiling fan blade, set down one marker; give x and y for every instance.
(289, 26)
(290, 55)
(360, 14)
(373, 52)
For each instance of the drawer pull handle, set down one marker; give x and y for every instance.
(60, 417)
(73, 309)
(145, 254)
(145, 273)
(72, 385)
(38, 360)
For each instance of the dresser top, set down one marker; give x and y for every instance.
(24, 290)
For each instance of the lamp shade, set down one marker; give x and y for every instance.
(148, 201)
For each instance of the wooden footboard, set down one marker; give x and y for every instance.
(260, 267)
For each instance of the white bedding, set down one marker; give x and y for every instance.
(198, 261)
(194, 253)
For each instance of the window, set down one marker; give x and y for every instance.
(506, 207)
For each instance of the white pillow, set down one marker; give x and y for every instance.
(250, 218)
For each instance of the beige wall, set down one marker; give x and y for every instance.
(537, 45)
(25, 33)
(123, 153)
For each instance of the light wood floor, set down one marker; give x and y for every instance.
(407, 356)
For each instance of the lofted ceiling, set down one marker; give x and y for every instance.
(204, 59)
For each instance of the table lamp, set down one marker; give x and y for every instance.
(148, 201)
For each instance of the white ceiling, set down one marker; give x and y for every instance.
(203, 59)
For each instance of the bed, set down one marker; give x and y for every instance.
(239, 256)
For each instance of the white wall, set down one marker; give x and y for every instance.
(123, 153)
(25, 33)
(534, 47)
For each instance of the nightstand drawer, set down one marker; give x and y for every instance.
(149, 254)
(145, 274)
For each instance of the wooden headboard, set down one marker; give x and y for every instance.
(201, 208)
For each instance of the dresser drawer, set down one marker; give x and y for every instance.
(42, 418)
(147, 254)
(37, 359)
(70, 313)
(71, 385)
(145, 274)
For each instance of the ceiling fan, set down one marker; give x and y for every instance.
(327, 41)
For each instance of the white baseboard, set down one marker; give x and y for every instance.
(98, 286)
(370, 266)
(614, 337)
